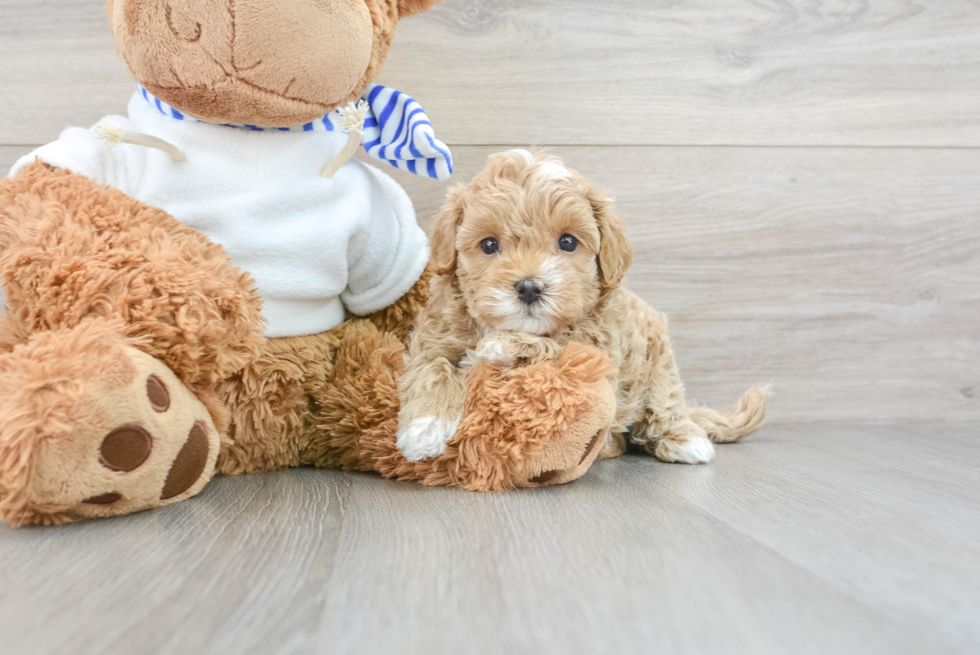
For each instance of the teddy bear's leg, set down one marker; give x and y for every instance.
(272, 412)
(532, 426)
(114, 309)
(357, 407)
(275, 421)
(91, 425)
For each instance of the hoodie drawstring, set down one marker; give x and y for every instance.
(351, 121)
(113, 135)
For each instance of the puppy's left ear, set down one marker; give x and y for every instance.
(615, 251)
(409, 7)
(443, 239)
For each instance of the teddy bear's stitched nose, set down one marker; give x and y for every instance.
(529, 290)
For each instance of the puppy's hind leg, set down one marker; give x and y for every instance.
(674, 438)
(666, 428)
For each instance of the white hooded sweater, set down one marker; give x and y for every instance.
(313, 245)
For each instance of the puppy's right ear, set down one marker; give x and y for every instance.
(615, 251)
(443, 238)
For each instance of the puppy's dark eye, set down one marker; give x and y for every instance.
(568, 243)
(490, 246)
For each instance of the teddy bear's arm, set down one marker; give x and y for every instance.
(523, 427)
(118, 316)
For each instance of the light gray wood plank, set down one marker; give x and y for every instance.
(847, 277)
(781, 72)
(59, 69)
(897, 506)
(813, 539)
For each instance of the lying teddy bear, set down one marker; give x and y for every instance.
(137, 359)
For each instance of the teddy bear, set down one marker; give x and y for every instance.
(209, 284)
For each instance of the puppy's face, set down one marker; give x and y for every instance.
(532, 244)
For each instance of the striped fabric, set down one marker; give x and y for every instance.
(397, 131)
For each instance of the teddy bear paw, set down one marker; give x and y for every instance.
(106, 428)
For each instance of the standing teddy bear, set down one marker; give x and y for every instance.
(177, 279)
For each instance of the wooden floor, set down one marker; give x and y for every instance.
(824, 538)
(801, 181)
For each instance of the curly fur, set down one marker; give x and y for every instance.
(527, 202)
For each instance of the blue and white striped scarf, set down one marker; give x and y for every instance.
(396, 131)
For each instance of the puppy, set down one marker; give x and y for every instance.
(529, 257)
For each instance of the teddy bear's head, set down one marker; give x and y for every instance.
(271, 63)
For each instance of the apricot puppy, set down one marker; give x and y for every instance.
(528, 258)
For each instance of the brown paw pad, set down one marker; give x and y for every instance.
(588, 449)
(126, 448)
(547, 476)
(189, 464)
(157, 393)
(104, 499)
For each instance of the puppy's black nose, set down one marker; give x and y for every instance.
(529, 290)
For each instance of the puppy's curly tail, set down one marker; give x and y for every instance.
(747, 417)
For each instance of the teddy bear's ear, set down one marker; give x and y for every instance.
(409, 7)
(443, 238)
(615, 251)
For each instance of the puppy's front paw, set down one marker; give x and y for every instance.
(490, 350)
(425, 437)
(693, 449)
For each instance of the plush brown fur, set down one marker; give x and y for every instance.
(109, 299)
(525, 203)
(71, 250)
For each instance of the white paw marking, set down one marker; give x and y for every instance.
(695, 449)
(491, 352)
(425, 437)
